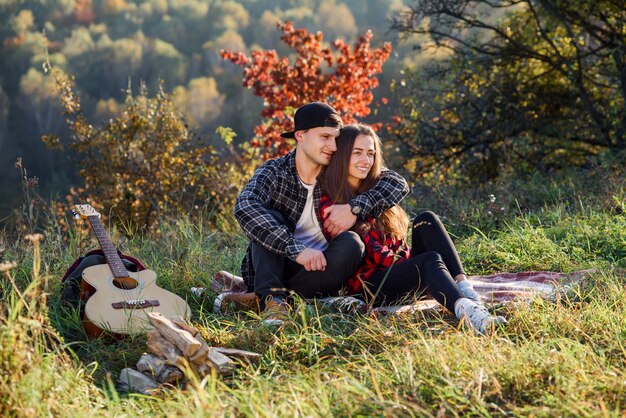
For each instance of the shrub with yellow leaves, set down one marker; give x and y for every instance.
(145, 162)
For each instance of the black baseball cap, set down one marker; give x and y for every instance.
(313, 115)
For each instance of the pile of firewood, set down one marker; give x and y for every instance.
(178, 351)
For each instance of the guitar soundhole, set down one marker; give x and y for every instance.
(125, 283)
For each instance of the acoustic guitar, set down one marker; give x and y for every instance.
(117, 300)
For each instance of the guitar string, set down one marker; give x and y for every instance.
(102, 234)
(128, 295)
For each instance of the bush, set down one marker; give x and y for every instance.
(146, 162)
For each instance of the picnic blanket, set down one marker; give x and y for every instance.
(503, 288)
(494, 289)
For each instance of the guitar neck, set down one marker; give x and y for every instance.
(110, 252)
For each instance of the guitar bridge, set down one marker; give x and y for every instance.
(135, 304)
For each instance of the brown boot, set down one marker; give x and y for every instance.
(276, 311)
(236, 301)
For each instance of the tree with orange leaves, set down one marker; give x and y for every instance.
(344, 79)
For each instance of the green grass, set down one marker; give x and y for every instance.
(566, 358)
(554, 242)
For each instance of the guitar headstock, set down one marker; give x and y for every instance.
(84, 211)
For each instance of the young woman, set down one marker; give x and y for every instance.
(391, 272)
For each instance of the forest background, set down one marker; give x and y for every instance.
(463, 91)
(113, 46)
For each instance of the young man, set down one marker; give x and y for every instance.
(278, 212)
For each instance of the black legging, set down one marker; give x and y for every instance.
(429, 234)
(430, 269)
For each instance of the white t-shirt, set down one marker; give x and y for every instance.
(308, 229)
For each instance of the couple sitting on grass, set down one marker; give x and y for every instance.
(325, 217)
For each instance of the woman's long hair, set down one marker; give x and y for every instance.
(394, 221)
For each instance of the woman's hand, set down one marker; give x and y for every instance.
(339, 218)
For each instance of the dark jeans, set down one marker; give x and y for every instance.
(277, 275)
(431, 269)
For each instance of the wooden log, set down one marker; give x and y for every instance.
(221, 363)
(214, 361)
(204, 369)
(247, 356)
(201, 355)
(133, 380)
(178, 320)
(170, 374)
(150, 364)
(163, 348)
(179, 337)
(154, 366)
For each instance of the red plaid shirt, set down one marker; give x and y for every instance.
(380, 252)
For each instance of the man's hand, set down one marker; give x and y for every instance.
(312, 260)
(339, 218)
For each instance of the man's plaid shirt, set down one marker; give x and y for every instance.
(276, 186)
